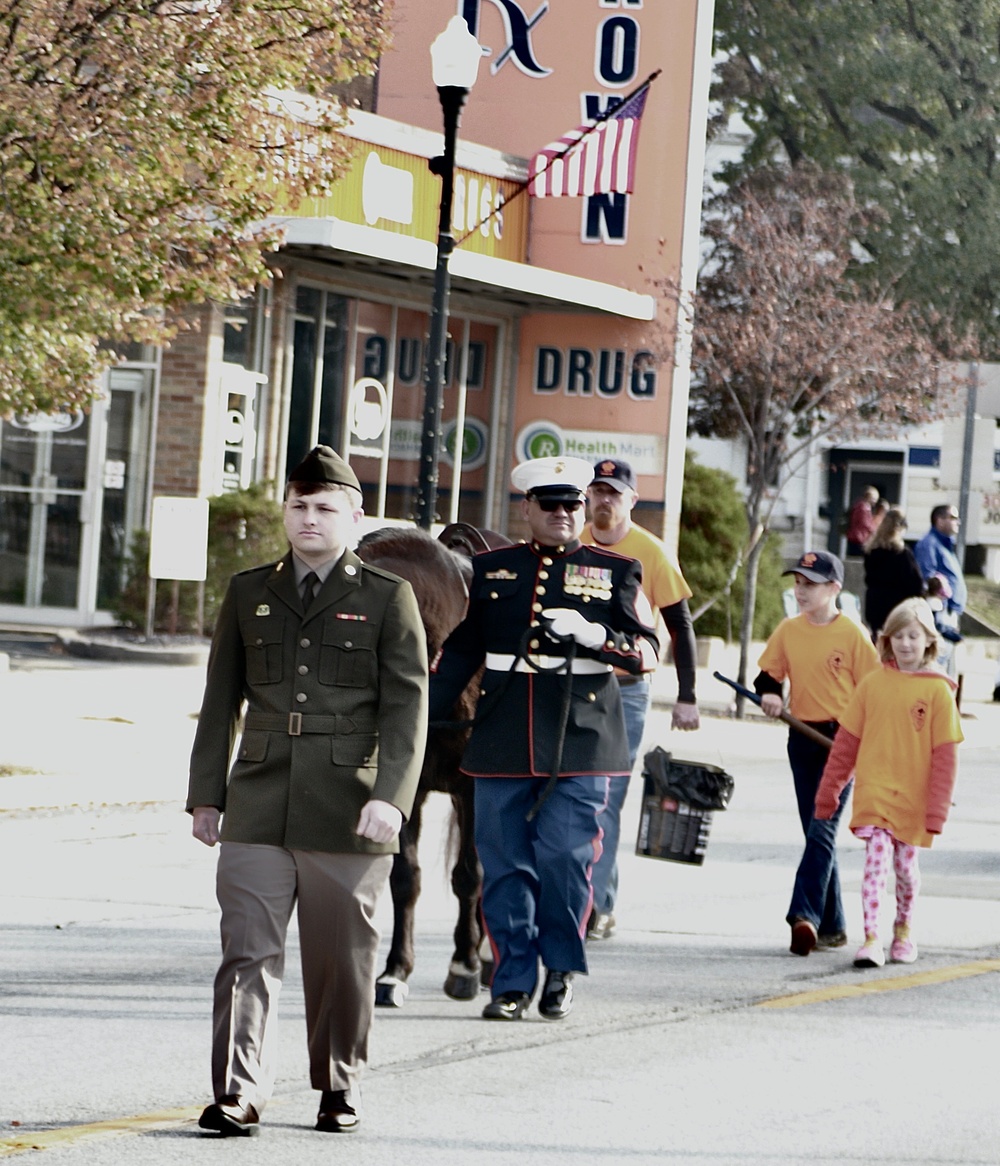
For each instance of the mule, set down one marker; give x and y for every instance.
(439, 576)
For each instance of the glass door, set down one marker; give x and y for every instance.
(72, 492)
(123, 478)
(43, 476)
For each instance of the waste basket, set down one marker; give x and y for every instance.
(678, 801)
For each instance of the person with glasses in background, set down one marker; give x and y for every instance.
(936, 555)
(551, 620)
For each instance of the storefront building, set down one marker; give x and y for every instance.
(560, 339)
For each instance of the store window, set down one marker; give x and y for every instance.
(389, 360)
(316, 408)
(357, 384)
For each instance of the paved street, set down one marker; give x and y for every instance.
(696, 1038)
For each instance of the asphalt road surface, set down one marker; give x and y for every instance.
(697, 1038)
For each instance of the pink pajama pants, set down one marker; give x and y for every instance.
(880, 845)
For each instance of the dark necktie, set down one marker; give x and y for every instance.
(308, 589)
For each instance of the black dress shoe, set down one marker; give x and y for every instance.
(231, 1118)
(338, 1112)
(557, 995)
(507, 1006)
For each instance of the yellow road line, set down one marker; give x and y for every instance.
(47, 1139)
(891, 984)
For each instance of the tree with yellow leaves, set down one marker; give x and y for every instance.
(143, 146)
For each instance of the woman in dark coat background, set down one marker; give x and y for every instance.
(891, 571)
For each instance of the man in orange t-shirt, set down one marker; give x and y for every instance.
(612, 496)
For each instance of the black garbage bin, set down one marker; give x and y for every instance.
(678, 801)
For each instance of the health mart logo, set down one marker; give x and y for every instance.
(645, 452)
(540, 439)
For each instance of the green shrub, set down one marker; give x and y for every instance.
(713, 533)
(244, 530)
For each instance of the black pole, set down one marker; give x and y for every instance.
(452, 99)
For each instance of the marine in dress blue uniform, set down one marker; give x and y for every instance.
(550, 619)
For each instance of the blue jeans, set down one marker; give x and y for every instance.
(604, 876)
(816, 895)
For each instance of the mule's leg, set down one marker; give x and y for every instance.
(391, 988)
(464, 974)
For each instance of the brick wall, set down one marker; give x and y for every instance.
(181, 419)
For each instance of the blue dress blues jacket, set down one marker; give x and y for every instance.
(518, 717)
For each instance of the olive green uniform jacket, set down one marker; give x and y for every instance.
(336, 707)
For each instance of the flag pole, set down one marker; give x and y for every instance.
(522, 187)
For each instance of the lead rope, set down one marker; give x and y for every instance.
(486, 709)
(550, 785)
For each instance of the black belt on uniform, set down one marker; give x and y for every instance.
(295, 724)
(623, 681)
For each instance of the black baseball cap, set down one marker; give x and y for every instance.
(818, 567)
(615, 472)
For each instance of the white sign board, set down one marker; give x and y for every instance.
(953, 452)
(178, 538)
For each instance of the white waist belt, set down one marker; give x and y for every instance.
(502, 662)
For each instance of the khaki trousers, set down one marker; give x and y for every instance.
(257, 887)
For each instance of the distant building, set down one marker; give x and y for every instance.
(921, 469)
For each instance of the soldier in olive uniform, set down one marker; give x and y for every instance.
(328, 656)
(550, 620)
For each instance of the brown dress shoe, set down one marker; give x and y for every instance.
(803, 936)
(231, 1118)
(338, 1112)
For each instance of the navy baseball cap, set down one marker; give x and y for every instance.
(818, 567)
(614, 472)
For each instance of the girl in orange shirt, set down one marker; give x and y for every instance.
(899, 734)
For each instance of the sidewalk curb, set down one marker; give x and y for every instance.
(96, 647)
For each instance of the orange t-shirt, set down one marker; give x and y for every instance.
(662, 581)
(823, 662)
(900, 718)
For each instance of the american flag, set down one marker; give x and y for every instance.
(596, 158)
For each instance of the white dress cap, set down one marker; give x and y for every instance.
(548, 473)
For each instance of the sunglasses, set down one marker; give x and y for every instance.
(550, 505)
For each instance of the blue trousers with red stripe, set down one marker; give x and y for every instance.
(536, 875)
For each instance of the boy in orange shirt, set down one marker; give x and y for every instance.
(823, 655)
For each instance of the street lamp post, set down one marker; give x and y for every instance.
(455, 57)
